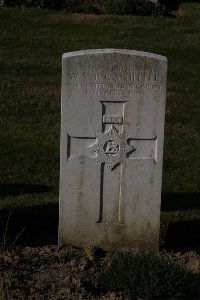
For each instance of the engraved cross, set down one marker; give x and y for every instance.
(112, 147)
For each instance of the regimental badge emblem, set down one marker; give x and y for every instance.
(111, 147)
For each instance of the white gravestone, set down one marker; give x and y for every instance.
(112, 131)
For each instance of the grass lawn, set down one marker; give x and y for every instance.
(31, 44)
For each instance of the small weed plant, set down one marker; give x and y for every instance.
(146, 275)
(5, 243)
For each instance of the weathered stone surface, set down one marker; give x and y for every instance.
(112, 129)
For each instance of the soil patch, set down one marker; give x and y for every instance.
(44, 273)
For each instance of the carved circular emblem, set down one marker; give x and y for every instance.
(111, 147)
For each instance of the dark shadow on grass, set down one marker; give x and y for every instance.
(40, 224)
(180, 201)
(183, 236)
(17, 189)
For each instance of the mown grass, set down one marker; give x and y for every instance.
(32, 42)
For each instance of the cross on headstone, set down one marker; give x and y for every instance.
(111, 152)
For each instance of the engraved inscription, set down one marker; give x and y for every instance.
(110, 68)
(112, 119)
(114, 80)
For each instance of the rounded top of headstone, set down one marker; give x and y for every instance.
(118, 51)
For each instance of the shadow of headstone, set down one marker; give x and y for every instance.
(38, 225)
(180, 201)
(181, 235)
(17, 189)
